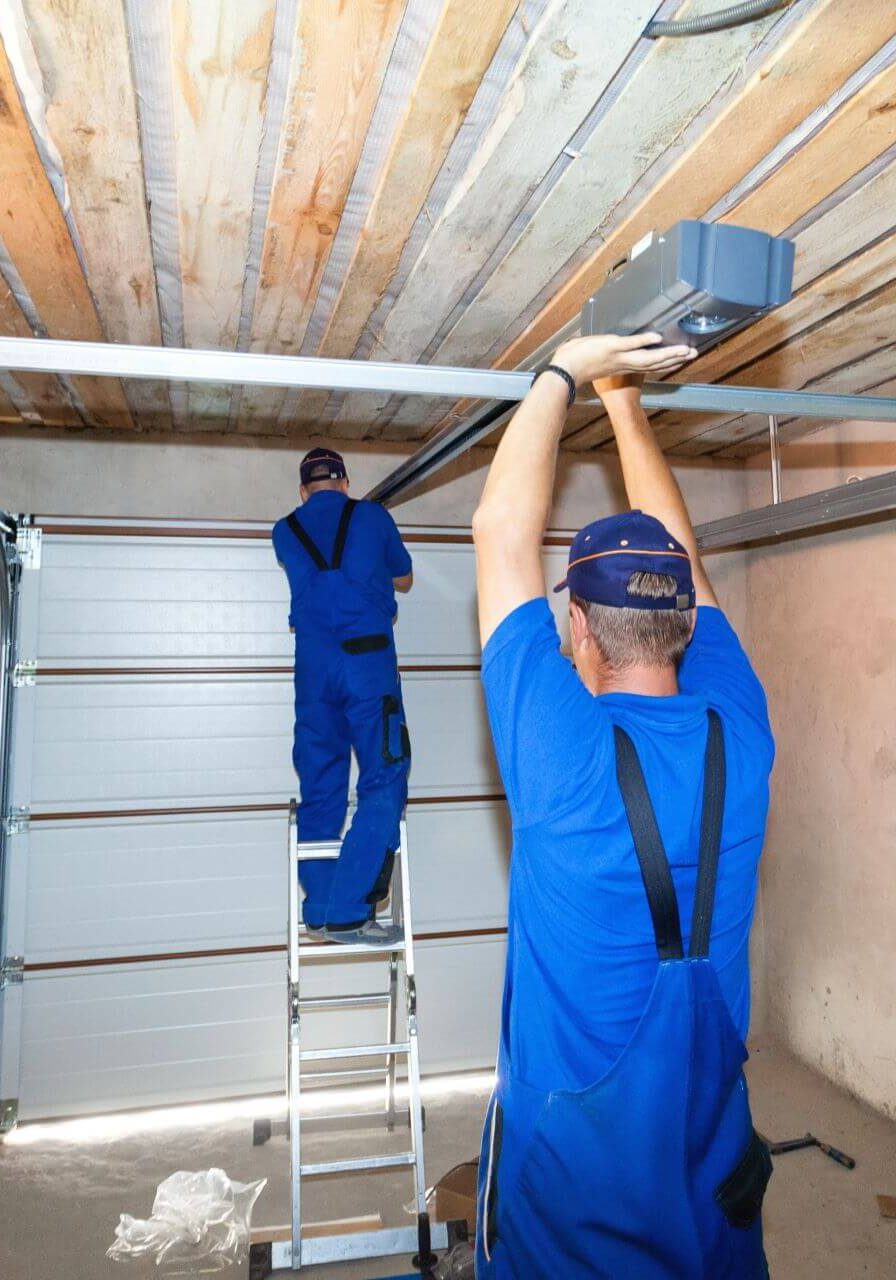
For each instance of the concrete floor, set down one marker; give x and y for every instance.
(60, 1202)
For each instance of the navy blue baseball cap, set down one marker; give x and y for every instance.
(322, 464)
(606, 553)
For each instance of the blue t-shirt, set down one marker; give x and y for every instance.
(581, 952)
(374, 552)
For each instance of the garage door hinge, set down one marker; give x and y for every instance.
(28, 546)
(9, 1114)
(18, 820)
(24, 673)
(12, 972)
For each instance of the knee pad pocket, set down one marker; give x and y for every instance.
(396, 739)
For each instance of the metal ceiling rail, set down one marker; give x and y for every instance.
(853, 501)
(694, 397)
(501, 390)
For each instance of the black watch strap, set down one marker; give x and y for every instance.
(567, 378)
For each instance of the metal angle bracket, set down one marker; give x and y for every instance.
(9, 1114)
(28, 545)
(12, 972)
(18, 820)
(24, 674)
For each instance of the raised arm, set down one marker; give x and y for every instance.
(649, 482)
(513, 512)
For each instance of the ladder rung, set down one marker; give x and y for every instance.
(355, 1051)
(356, 1166)
(332, 950)
(353, 1074)
(370, 1000)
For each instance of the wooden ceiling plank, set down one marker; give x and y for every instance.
(91, 112)
(849, 140)
(835, 38)
(561, 76)
(870, 376)
(341, 57)
(459, 53)
(220, 60)
(668, 92)
(849, 336)
(37, 240)
(45, 395)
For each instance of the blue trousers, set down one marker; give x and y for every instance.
(345, 701)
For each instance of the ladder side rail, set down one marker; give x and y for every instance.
(415, 1107)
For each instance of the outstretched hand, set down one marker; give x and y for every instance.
(604, 356)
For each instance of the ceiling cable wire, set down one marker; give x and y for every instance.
(723, 19)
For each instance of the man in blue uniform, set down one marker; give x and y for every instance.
(619, 1140)
(344, 561)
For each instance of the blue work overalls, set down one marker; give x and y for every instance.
(348, 694)
(655, 1171)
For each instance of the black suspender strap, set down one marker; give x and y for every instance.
(342, 532)
(710, 837)
(310, 546)
(652, 857)
(306, 541)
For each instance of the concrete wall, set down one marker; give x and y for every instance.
(822, 618)
(254, 480)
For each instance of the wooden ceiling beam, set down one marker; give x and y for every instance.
(835, 39)
(220, 60)
(91, 107)
(459, 53)
(563, 73)
(34, 231)
(342, 52)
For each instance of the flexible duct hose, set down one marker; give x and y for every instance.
(735, 16)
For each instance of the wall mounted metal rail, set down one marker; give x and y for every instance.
(856, 500)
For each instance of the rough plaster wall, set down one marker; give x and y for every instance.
(821, 624)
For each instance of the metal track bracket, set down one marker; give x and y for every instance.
(24, 674)
(18, 820)
(28, 545)
(12, 972)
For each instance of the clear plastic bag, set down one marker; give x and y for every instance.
(200, 1221)
(458, 1264)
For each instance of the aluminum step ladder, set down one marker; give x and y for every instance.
(306, 1246)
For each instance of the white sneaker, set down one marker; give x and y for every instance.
(370, 934)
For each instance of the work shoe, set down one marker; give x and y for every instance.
(370, 934)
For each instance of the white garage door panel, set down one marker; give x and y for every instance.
(460, 1003)
(107, 600)
(145, 598)
(96, 1040)
(149, 887)
(459, 858)
(139, 887)
(97, 1033)
(211, 741)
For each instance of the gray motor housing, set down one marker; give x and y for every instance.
(697, 283)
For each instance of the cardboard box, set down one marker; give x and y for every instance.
(455, 1195)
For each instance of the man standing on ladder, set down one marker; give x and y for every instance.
(619, 1140)
(344, 561)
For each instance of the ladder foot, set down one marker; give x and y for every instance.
(261, 1132)
(425, 1260)
(261, 1262)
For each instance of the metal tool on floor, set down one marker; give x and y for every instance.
(311, 1244)
(798, 1144)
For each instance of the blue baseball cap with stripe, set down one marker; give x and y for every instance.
(606, 553)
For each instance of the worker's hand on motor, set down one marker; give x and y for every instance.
(608, 356)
